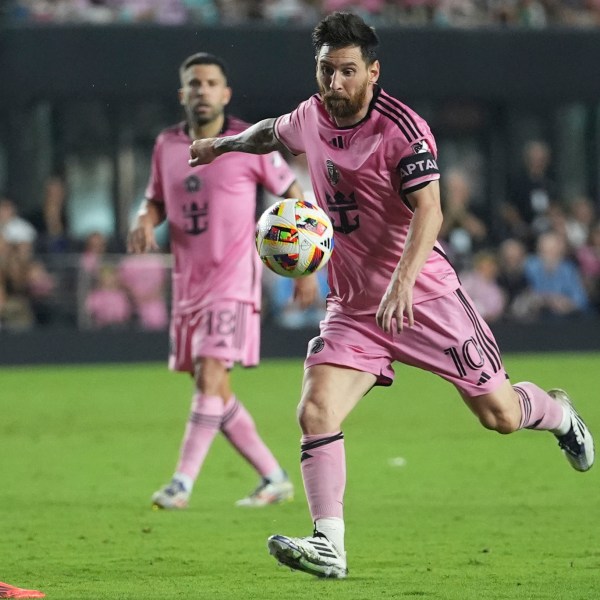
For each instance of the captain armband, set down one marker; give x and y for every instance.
(417, 166)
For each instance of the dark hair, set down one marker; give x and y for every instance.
(203, 58)
(342, 29)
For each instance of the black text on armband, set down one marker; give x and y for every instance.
(416, 166)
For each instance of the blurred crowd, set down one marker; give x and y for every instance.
(443, 13)
(534, 256)
(47, 278)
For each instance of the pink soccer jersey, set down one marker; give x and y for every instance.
(211, 211)
(360, 176)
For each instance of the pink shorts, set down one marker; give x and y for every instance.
(449, 338)
(227, 330)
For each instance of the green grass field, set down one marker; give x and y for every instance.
(471, 514)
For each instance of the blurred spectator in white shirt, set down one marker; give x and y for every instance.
(580, 221)
(13, 228)
(463, 232)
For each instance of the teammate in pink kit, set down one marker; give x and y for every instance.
(216, 275)
(394, 295)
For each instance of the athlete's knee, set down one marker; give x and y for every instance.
(498, 411)
(316, 416)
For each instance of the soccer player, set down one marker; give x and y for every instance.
(216, 275)
(394, 295)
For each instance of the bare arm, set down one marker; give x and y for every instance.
(294, 191)
(141, 234)
(422, 234)
(257, 139)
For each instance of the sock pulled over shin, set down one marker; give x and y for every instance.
(202, 427)
(239, 428)
(323, 464)
(538, 409)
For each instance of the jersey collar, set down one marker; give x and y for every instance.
(185, 127)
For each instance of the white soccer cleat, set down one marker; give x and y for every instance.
(577, 444)
(171, 496)
(315, 555)
(268, 493)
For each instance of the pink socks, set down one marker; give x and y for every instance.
(202, 427)
(323, 464)
(239, 428)
(538, 409)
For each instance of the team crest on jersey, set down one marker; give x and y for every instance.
(316, 345)
(192, 184)
(420, 147)
(332, 172)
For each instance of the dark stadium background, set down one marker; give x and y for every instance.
(104, 93)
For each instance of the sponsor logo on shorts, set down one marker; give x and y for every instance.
(484, 378)
(316, 345)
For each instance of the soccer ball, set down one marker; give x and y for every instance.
(294, 238)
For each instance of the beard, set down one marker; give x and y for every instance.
(203, 118)
(341, 107)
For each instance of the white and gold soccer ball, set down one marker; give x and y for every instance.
(294, 238)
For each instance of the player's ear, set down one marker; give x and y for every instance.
(180, 96)
(374, 71)
(227, 93)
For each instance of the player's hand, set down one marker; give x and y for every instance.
(306, 291)
(396, 304)
(202, 152)
(141, 237)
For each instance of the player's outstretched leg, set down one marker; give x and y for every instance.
(577, 443)
(315, 555)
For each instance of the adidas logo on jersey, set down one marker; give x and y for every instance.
(337, 142)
